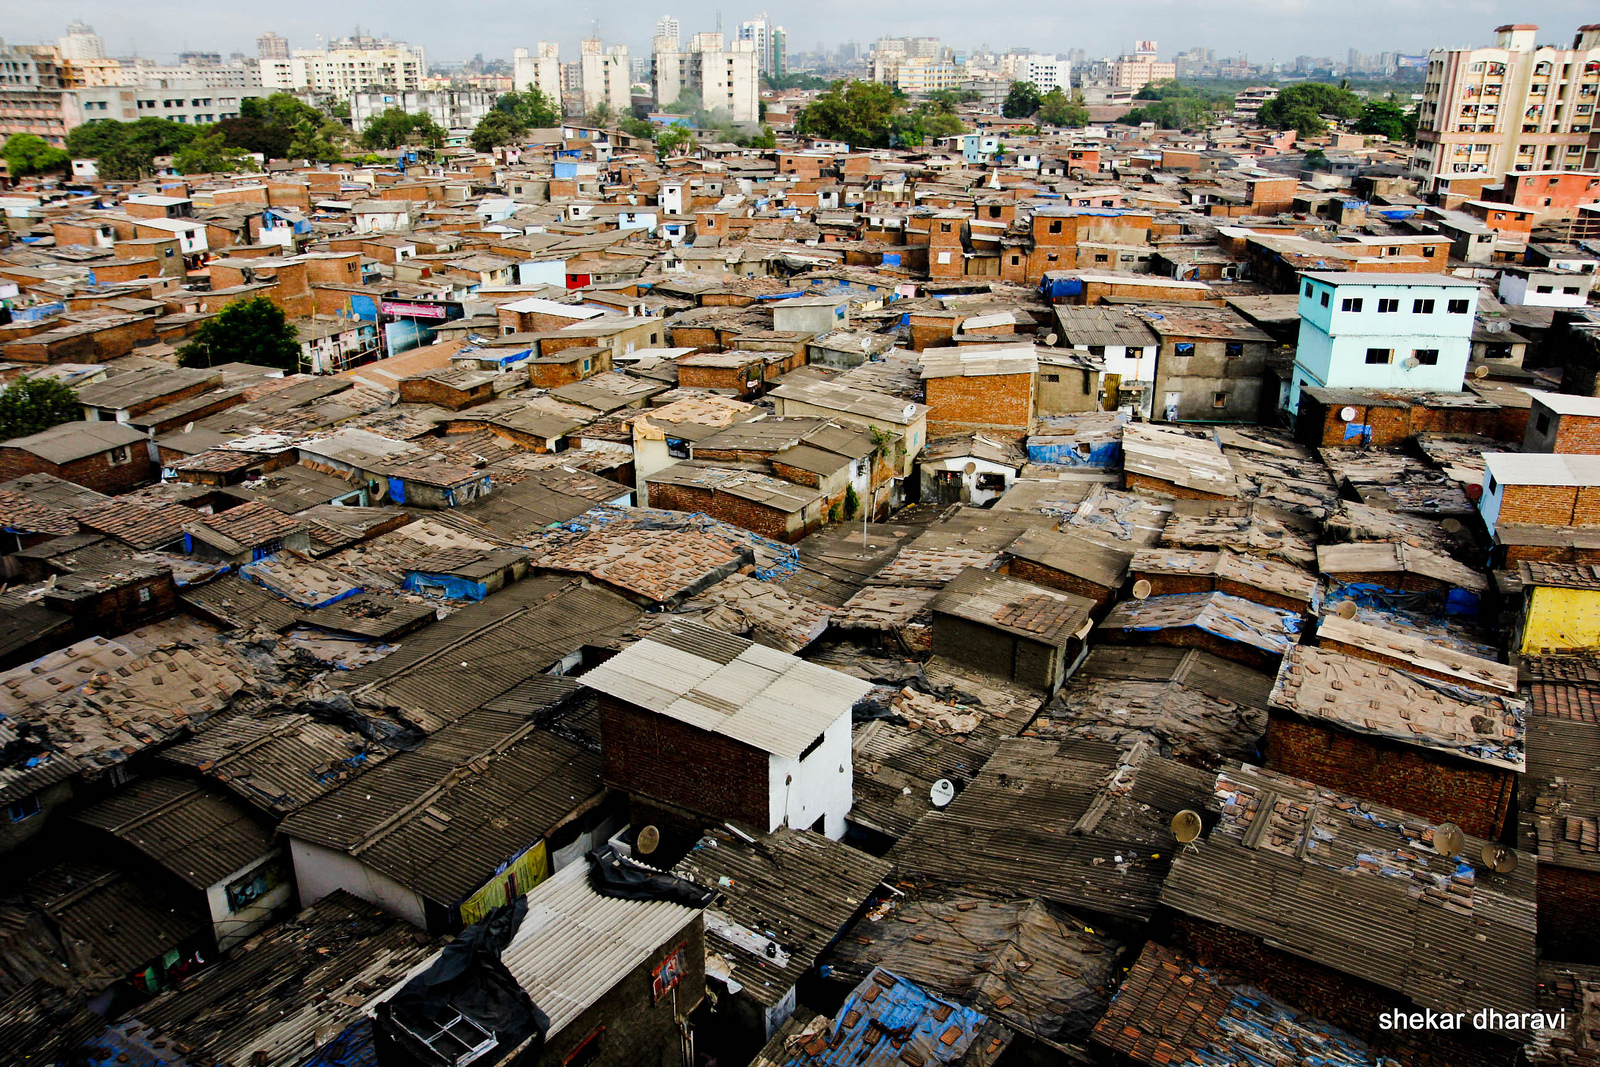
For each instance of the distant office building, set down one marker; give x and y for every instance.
(353, 65)
(80, 42)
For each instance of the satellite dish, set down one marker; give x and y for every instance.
(1186, 826)
(1141, 589)
(970, 468)
(1050, 339)
(942, 793)
(1346, 609)
(1448, 839)
(1480, 371)
(1498, 858)
(1451, 526)
(648, 841)
(1348, 414)
(1412, 363)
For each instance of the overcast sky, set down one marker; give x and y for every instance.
(454, 30)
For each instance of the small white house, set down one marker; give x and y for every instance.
(697, 720)
(1545, 287)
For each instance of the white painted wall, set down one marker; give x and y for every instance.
(319, 871)
(823, 786)
(232, 927)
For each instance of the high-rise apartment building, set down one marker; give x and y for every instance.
(272, 46)
(1046, 73)
(80, 42)
(540, 70)
(362, 63)
(668, 32)
(606, 78)
(770, 42)
(726, 75)
(1518, 106)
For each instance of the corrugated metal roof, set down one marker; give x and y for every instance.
(199, 836)
(767, 699)
(281, 993)
(574, 945)
(1358, 887)
(796, 888)
(1076, 823)
(443, 818)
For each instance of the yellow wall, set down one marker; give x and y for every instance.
(1561, 618)
(520, 875)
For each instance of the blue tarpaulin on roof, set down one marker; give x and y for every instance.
(448, 585)
(397, 490)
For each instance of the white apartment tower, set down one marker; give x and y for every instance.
(668, 32)
(1518, 106)
(388, 65)
(607, 78)
(770, 42)
(540, 71)
(272, 46)
(727, 76)
(80, 43)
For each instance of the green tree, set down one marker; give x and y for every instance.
(256, 135)
(1317, 159)
(27, 153)
(253, 330)
(1021, 101)
(856, 112)
(793, 81)
(535, 109)
(395, 127)
(601, 115)
(1056, 108)
(1389, 119)
(126, 151)
(211, 154)
(765, 139)
(673, 138)
(319, 144)
(496, 128)
(1301, 107)
(31, 405)
(281, 109)
(637, 128)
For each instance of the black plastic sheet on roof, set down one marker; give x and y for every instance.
(613, 875)
(467, 982)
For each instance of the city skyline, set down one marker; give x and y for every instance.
(1264, 32)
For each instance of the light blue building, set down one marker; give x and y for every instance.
(1383, 331)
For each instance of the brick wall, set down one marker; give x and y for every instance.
(1569, 913)
(433, 391)
(655, 756)
(1051, 578)
(745, 514)
(962, 404)
(1551, 505)
(1156, 485)
(1515, 554)
(97, 471)
(1578, 435)
(1439, 788)
(116, 611)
